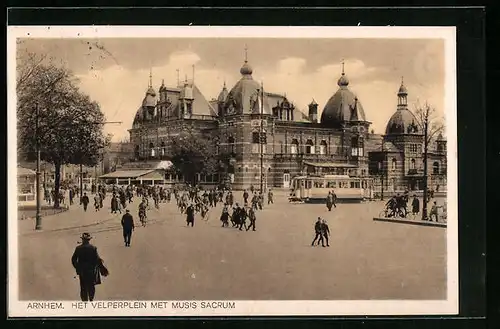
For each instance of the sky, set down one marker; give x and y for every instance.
(115, 71)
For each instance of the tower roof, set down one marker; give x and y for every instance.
(402, 89)
(343, 105)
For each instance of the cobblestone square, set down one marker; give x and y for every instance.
(169, 261)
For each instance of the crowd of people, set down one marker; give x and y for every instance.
(397, 206)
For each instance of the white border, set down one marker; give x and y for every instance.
(246, 308)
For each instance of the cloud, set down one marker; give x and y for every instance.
(120, 91)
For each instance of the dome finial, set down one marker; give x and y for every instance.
(150, 77)
(224, 86)
(246, 70)
(343, 81)
(402, 80)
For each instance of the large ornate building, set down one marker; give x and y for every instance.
(262, 134)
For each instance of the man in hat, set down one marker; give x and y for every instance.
(128, 226)
(86, 262)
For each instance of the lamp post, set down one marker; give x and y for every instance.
(38, 221)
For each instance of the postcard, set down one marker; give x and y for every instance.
(232, 171)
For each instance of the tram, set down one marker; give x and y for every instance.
(315, 188)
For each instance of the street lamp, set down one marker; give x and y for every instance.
(38, 220)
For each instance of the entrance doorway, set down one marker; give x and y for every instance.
(286, 180)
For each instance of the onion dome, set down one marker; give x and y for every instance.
(342, 106)
(313, 102)
(246, 69)
(402, 90)
(244, 95)
(343, 81)
(403, 121)
(440, 138)
(223, 94)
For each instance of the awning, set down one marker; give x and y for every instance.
(133, 174)
(25, 172)
(330, 165)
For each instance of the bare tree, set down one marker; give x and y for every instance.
(55, 115)
(432, 126)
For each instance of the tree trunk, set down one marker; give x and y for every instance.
(57, 184)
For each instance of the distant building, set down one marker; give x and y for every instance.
(339, 142)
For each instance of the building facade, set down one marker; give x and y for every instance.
(262, 137)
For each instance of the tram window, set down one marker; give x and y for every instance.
(352, 184)
(357, 184)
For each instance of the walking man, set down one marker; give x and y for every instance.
(252, 218)
(319, 235)
(85, 201)
(128, 226)
(88, 265)
(325, 231)
(270, 197)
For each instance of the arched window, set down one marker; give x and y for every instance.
(309, 147)
(294, 147)
(412, 164)
(394, 163)
(152, 149)
(163, 149)
(322, 147)
(230, 142)
(435, 168)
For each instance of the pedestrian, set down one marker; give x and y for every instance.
(434, 212)
(329, 201)
(243, 213)
(270, 197)
(319, 235)
(89, 267)
(97, 202)
(224, 217)
(245, 196)
(71, 196)
(252, 218)
(128, 226)
(325, 231)
(415, 205)
(334, 199)
(190, 215)
(85, 201)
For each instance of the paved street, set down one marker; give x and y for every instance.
(168, 261)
